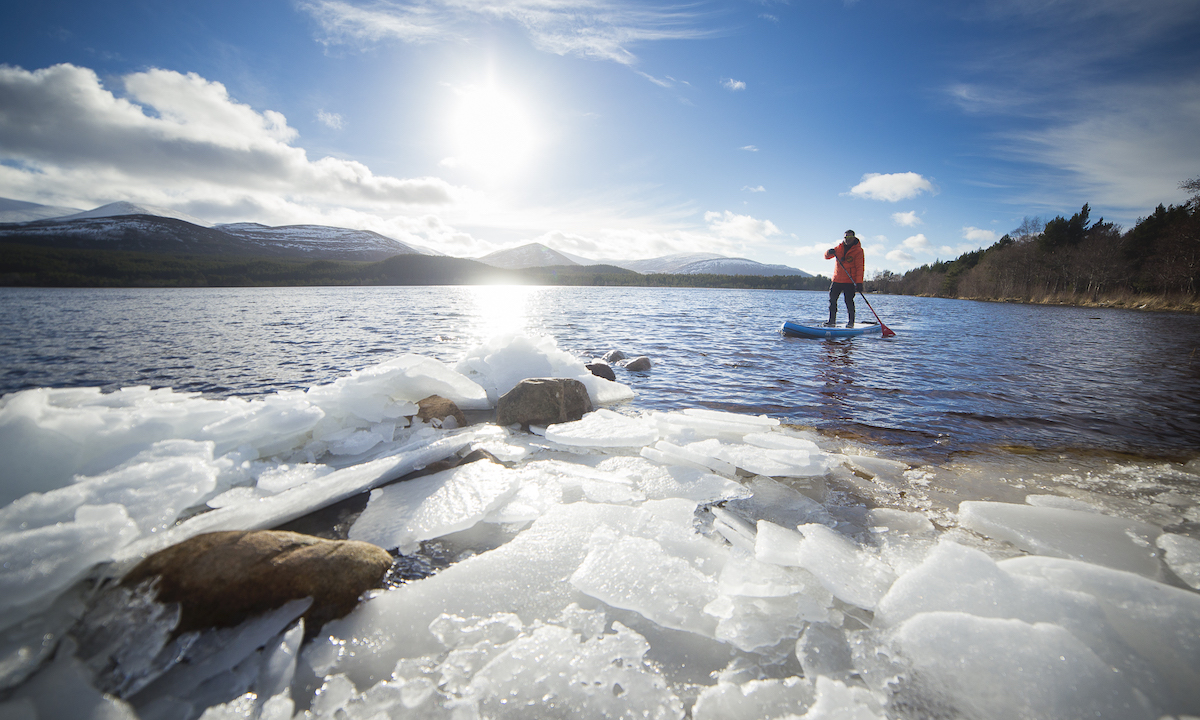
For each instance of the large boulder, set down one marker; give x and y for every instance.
(543, 401)
(220, 579)
(602, 369)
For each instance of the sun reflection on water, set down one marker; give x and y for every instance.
(501, 309)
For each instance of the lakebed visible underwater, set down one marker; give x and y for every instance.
(993, 514)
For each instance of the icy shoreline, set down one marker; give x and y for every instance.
(667, 564)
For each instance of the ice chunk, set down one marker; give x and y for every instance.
(63, 690)
(658, 482)
(1063, 503)
(403, 514)
(780, 440)
(754, 700)
(505, 360)
(735, 529)
(696, 424)
(780, 504)
(36, 563)
(671, 454)
(1182, 556)
(904, 538)
(761, 461)
(760, 605)
(988, 667)
(300, 500)
(1149, 616)
(853, 575)
(823, 650)
(153, 487)
(877, 467)
(639, 574)
(369, 392)
(1110, 541)
(604, 428)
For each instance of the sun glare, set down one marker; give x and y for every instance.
(491, 132)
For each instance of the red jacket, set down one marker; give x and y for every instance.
(851, 259)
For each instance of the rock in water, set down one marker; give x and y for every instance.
(602, 369)
(436, 409)
(613, 356)
(637, 364)
(222, 578)
(543, 401)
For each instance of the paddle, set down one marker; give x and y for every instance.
(887, 331)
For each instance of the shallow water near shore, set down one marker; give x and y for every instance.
(959, 376)
(988, 515)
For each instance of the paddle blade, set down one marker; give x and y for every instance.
(886, 331)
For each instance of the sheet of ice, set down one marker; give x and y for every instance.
(754, 699)
(759, 605)
(903, 538)
(527, 575)
(852, 574)
(878, 468)
(403, 514)
(219, 651)
(35, 564)
(762, 461)
(1182, 556)
(501, 362)
(780, 504)
(671, 454)
(1154, 620)
(783, 440)
(1063, 503)
(1001, 668)
(658, 482)
(63, 691)
(695, 424)
(153, 486)
(604, 428)
(390, 389)
(822, 649)
(1102, 539)
(300, 500)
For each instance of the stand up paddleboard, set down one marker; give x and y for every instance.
(792, 329)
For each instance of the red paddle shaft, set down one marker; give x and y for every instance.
(887, 331)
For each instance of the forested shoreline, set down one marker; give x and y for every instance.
(1075, 261)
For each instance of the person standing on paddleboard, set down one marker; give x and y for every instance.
(847, 275)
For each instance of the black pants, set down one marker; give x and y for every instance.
(846, 290)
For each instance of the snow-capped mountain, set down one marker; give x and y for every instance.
(318, 241)
(670, 264)
(526, 256)
(19, 211)
(738, 266)
(118, 209)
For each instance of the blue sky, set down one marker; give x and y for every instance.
(610, 129)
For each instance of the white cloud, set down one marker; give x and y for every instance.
(893, 187)
(906, 219)
(598, 29)
(175, 139)
(917, 242)
(758, 189)
(735, 85)
(331, 120)
(976, 235)
(740, 227)
(901, 257)
(749, 148)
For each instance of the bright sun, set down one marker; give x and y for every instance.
(491, 132)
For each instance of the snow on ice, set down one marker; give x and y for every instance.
(631, 564)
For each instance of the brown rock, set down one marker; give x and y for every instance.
(602, 369)
(222, 578)
(543, 401)
(435, 409)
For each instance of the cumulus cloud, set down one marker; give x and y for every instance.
(978, 235)
(735, 85)
(598, 29)
(174, 138)
(906, 219)
(900, 257)
(917, 242)
(331, 120)
(893, 187)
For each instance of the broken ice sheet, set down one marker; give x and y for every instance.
(403, 514)
(604, 428)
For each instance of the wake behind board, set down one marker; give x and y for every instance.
(791, 329)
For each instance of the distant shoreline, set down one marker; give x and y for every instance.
(1146, 302)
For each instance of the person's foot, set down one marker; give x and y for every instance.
(850, 324)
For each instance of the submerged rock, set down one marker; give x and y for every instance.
(613, 356)
(220, 579)
(543, 401)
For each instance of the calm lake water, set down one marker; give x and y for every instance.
(959, 376)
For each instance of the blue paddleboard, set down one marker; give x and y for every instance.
(792, 329)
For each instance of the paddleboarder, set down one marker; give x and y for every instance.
(847, 275)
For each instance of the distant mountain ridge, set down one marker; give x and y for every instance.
(148, 228)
